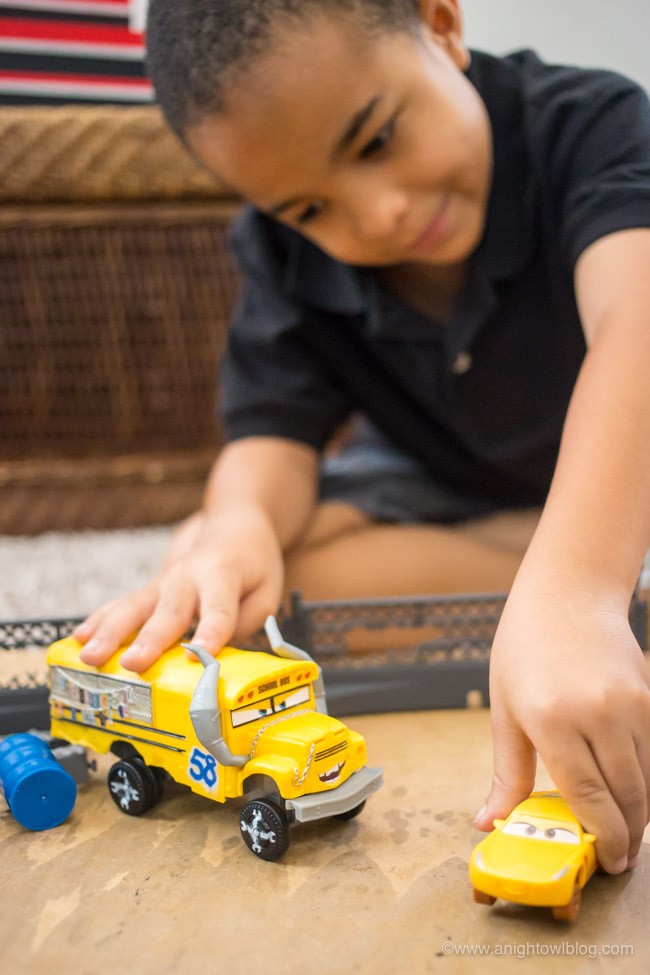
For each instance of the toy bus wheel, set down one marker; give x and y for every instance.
(154, 780)
(480, 897)
(131, 788)
(351, 813)
(265, 829)
(570, 911)
(57, 743)
(160, 778)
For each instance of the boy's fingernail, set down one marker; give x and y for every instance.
(134, 653)
(480, 814)
(199, 642)
(619, 866)
(90, 648)
(632, 862)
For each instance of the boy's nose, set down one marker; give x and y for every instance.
(378, 215)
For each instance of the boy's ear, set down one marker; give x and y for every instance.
(444, 20)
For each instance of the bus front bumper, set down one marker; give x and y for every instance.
(354, 791)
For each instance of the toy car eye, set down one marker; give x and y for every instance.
(559, 835)
(281, 706)
(520, 829)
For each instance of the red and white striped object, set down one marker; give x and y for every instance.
(79, 50)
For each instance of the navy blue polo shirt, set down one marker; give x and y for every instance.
(480, 399)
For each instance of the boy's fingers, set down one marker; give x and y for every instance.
(218, 610)
(514, 773)
(85, 629)
(255, 607)
(575, 771)
(168, 622)
(643, 753)
(117, 621)
(185, 538)
(619, 763)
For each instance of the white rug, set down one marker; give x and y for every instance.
(61, 574)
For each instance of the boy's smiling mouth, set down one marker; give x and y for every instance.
(435, 230)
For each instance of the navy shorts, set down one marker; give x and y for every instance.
(373, 475)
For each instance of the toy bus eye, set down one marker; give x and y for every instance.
(246, 715)
(559, 835)
(301, 696)
(521, 829)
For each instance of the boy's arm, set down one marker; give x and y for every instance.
(230, 573)
(568, 679)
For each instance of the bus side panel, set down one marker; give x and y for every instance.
(78, 733)
(186, 761)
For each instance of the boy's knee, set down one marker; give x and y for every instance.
(330, 520)
(314, 562)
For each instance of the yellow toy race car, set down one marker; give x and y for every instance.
(539, 855)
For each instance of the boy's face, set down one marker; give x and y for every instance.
(376, 148)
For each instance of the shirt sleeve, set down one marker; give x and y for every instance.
(597, 156)
(273, 382)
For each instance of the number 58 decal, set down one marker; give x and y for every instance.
(203, 768)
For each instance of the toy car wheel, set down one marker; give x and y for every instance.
(351, 813)
(480, 897)
(570, 911)
(130, 787)
(265, 829)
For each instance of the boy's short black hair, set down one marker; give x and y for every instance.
(193, 46)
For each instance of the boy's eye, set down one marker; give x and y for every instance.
(308, 213)
(379, 142)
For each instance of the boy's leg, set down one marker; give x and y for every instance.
(344, 554)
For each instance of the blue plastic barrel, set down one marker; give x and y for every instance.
(39, 792)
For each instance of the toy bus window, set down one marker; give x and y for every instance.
(99, 698)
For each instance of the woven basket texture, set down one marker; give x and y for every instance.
(112, 330)
(95, 153)
(113, 318)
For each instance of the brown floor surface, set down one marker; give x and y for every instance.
(177, 891)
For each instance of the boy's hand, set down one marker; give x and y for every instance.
(227, 570)
(568, 680)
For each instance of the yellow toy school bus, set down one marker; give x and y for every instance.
(248, 723)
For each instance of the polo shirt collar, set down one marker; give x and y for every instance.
(508, 237)
(319, 281)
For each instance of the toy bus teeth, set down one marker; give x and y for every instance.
(333, 773)
(249, 723)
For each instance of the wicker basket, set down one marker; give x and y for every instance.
(113, 319)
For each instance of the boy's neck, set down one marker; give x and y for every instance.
(429, 289)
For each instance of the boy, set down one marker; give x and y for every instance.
(435, 240)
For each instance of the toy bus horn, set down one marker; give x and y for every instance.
(205, 713)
